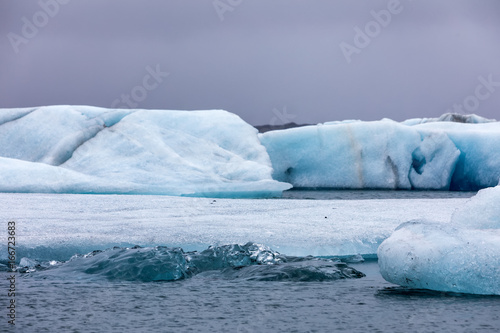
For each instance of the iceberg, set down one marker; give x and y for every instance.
(462, 256)
(82, 149)
(387, 155)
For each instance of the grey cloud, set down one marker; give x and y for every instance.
(265, 55)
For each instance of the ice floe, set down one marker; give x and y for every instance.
(462, 256)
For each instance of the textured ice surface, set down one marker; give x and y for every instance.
(80, 149)
(439, 257)
(387, 155)
(478, 165)
(57, 226)
(162, 263)
(463, 256)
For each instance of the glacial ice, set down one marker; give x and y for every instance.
(462, 256)
(163, 263)
(387, 155)
(81, 149)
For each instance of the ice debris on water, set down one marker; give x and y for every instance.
(171, 264)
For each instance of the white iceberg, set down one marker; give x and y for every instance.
(387, 155)
(462, 256)
(81, 149)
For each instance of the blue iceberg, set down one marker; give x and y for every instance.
(425, 155)
(461, 256)
(82, 149)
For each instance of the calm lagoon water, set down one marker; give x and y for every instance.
(212, 302)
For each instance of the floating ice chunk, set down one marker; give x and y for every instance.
(162, 263)
(234, 255)
(306, 270)
(440, 257)
(28, 263)
(136, 264)
(463, 256)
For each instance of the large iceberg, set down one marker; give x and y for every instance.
(81, 149)
(387, 155)
(461, 256)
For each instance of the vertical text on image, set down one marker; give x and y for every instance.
(11, 264)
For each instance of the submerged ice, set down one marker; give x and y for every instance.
(250, 261)
(80, 149)
(461, 256)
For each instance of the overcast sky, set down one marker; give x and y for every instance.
(269, 61)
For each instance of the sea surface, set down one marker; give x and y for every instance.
(227, 288)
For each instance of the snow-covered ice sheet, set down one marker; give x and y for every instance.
(461, 256)
(81, 149)
(57, 226)
(387, 155)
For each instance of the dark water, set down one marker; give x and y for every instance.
(329, 194)
(206, 303)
